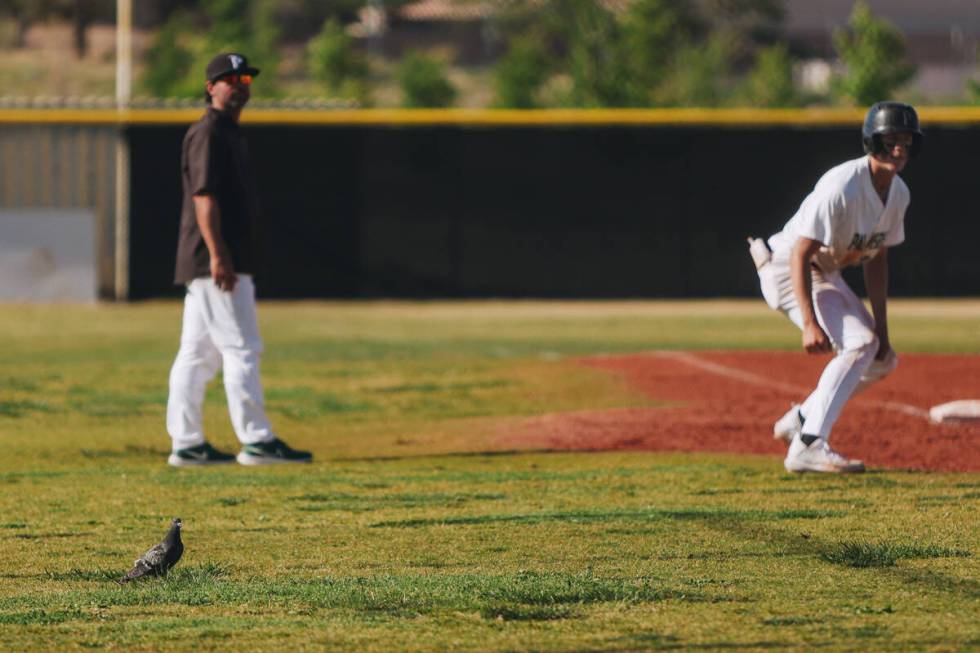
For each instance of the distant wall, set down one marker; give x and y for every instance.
(47, 255)
(60, 169)
(539, 211)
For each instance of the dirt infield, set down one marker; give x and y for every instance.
(727, 402)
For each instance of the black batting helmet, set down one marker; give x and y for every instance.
(890, 118)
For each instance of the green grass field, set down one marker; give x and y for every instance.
(415, 530)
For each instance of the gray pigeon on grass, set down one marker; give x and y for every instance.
(160, 558)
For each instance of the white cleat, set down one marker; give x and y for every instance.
(818, 457)
(789, 425)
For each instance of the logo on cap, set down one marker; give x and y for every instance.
(236, 61)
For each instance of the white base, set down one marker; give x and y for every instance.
(962, 410)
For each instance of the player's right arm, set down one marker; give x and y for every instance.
(814, 339)
(209, 222)
(201, 155)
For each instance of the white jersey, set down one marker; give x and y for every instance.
(845, 213)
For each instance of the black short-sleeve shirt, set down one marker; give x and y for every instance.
(214, 161)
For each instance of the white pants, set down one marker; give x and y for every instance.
(845, 320)
(220, 331)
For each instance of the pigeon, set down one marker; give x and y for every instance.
(160, 558)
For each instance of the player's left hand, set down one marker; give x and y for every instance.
(815, 340)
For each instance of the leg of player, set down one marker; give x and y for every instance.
(850, 328)
(878, 370)
(198, 360)
(791, 423)
(777, 290)
(233, 326)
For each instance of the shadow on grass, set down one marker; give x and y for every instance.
(599, 516)
(879, 555)
(454, 454)
(884, 554)
(20, 407)
(367, 502)
(792, 621)
(305, 403)
(425, 388)
(518, 612)
(45, 536)
(19, 384)
(101, 402)
(41, 617)
(229, 502)
(14, 477)
(521, 596)
(129, 451)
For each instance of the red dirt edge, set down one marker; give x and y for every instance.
(711, 411)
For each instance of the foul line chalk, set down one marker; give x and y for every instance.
(756, 379)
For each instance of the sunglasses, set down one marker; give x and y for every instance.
(234, 80)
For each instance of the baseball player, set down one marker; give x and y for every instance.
(215, 261)
(853, 216)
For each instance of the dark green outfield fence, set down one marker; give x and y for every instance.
(535, 210)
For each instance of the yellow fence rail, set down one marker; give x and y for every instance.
(742, 117)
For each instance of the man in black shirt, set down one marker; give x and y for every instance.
(215, 261)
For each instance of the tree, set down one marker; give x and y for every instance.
(749, 22)
(333, 60)
(700, 74)
(653, 32)
(424, 82)
(770, 82)
(973, 90)
(873, 53)
(302, 19)
(596, 58)
(246, 26)
(675, 52)
(24, 12)
(81, 13)
(170, 60)
(520, 74)
(584, 37)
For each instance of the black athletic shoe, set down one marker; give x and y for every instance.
(202, 454)
(272, 453)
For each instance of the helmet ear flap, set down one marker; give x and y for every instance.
(868, 145)
(874, 144)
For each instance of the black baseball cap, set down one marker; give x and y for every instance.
(228, 63)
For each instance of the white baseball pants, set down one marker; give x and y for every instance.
(847, 323)
(220, 332)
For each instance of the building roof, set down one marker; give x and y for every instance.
(471, 10)
(446, 10)
(912, 16)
